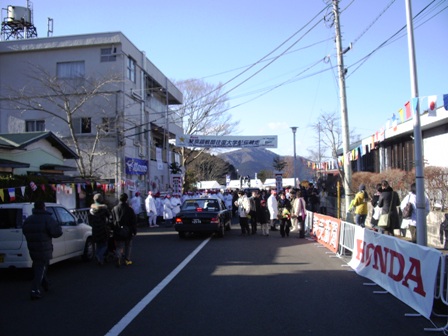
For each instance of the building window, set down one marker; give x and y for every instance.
(108, 125)
(70, 70)
(82, 125)
(131, 69)
(34, 126)
(108, 54)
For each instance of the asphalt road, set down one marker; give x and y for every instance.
(223, 286)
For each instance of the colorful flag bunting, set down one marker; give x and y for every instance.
(414, 104)
(394, 122)
(401, 113)
(445, 101)
(12, 194)
(408, 110)
(432, 106)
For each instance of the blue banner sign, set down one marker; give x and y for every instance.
(136, 166)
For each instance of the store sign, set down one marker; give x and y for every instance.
(136, 166)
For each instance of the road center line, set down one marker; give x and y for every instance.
(127, 319)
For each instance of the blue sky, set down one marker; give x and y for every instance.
(219, 40)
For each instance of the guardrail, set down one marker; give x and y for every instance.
(348, 232)
(346, 238)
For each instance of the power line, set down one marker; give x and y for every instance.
(391, 39)
(261, 60)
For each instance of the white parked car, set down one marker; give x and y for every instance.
(76, 239)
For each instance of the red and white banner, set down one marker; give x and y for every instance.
(406, 270)
(326, 230)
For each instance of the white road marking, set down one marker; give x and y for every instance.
(132, 314)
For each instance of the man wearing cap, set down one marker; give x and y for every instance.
(359, 203)
(151, 210)
(273, 208)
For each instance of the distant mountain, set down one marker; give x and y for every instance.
(249, 161)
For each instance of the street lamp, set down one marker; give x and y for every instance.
(294, 130)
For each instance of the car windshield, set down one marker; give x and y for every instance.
(204, 204)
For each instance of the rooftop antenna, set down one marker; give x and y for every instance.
(50, 27)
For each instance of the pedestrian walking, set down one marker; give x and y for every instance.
(151, 210)
(284, 213)
(99, 216)
(359, 205)
(323, 201)
(39, 229)
(136, 203)
(298, 214)
(125, 228)
(254, 213)
(243, 209)
(265, 221)
(272, 204)
(410, 222)
(388, 202)
(168, 211)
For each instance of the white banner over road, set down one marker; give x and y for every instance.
(407, 271)
(207, 141)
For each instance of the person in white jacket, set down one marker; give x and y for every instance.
(151, 210)
(175, 202)
(168, 211)
(136, 203)
(298, 214)
(243, 206)
(273, 208)
(411, 223)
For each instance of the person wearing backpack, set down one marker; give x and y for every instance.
(410, 216)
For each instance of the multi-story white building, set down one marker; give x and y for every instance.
(116, 100)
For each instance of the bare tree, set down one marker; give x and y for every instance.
(204, 112)
(437, 185)
(74, 103)
(328, 133)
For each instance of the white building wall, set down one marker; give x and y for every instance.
(433, 150)
(16, 58)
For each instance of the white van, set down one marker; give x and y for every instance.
(76, 239)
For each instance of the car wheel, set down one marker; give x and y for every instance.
(181, 234)
(88, 250)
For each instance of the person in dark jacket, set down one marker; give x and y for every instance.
(388, 202)
(99, 221)
(374, 201)
(284, 214)
(39, 230)
(254, 211)
(265, 218)
(125, 228)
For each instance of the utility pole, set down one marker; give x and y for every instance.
(294, 130)
(419, 170)
(344, 113)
